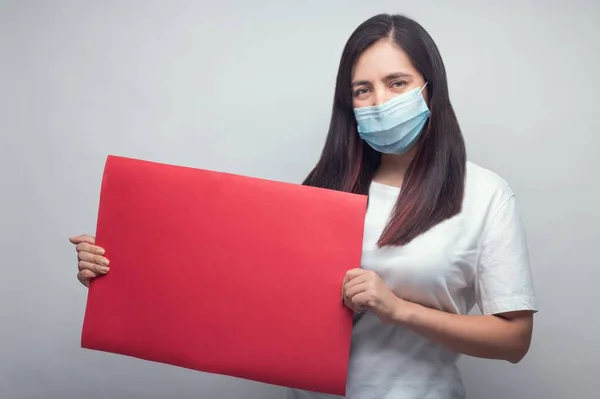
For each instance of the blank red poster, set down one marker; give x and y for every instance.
(225, 274)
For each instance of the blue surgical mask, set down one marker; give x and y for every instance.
(394, 126)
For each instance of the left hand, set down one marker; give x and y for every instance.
(364, 289)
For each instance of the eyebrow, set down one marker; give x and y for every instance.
(389, 77)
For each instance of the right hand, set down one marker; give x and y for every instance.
(91, 260)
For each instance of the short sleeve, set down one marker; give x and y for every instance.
(504, 280)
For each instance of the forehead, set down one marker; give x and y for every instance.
(381, 59)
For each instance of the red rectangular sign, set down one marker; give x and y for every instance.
(225, 274)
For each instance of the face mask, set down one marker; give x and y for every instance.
(394, 126)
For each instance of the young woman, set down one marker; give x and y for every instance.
(441, 233)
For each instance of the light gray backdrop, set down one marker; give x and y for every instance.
(200, 83)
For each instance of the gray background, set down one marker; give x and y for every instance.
(197, 83)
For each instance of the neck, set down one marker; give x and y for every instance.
(393, 168)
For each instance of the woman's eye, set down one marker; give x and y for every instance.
(360, 92)
(399, 84)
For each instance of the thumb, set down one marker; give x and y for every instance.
(82, 238)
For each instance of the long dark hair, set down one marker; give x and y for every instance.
(433, 186)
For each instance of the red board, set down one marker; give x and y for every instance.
(225, 274)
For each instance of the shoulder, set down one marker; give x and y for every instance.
(482, 181)
(485, 190)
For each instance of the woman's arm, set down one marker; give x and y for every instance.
(506, 336)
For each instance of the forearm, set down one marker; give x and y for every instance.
(491, 337)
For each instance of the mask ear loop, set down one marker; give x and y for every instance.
(423, 88)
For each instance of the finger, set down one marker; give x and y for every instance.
(356, 281)
(353, 273)
(344, 281)
(97, 259)
(346, 278)
(95, 268)
(347, 296)
(83, 280)
(361, 300)
(87, 247)
(355, 290)
(85, 276)
(351, 306)
(82, 238)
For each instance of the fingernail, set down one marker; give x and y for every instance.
(104, 261)
(101, 251)
(105, 269)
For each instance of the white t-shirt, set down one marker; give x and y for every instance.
(478, 257)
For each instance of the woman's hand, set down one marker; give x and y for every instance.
(500, 336)
(364, 289)
(91, 262)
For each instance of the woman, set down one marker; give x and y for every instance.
(441, 233)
